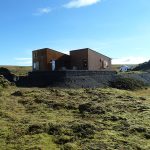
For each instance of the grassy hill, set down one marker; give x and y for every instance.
(69, 119)
(18, 70)
(143, 67)
(118, 66)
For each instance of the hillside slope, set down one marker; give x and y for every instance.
(143, 67)
(67, 119)
(18, 70)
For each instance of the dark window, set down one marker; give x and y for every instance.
(85, 63)
(35, 54)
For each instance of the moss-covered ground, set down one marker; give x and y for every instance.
(74, 119)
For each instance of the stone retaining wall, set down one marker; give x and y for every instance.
(67, 79)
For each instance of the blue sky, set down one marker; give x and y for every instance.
(119, 29)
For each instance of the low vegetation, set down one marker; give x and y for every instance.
(143, 67)
(127, 84)
(18, 70)
(69, 119)
(75, 119)
(3, 82)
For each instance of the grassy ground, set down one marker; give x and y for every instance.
(19, 70)
(68, 119)
(116, 67)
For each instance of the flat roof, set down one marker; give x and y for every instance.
(42, 49)
(88, 49)
(82, 49)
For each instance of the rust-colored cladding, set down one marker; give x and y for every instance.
(77, 59)
(45, 56)
(87, 59)
(97, 61)
(81, 59)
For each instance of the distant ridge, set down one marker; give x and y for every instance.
(143, 67)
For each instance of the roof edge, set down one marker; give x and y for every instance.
(49, 49)
(90, 50)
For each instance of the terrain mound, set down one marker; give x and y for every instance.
(143, 67)
(7, 74)
(127, 84)
(4, 82)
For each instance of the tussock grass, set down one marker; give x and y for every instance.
(74, 119)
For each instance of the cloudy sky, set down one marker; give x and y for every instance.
(119, 29)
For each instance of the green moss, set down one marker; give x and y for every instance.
(37, 141)
(72, 119)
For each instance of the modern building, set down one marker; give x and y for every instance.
(87, 59)
(82, 59)
(49, 60)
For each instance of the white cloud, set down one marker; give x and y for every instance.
(130, 60)
(80, 3)
(24, 61)
(42, 11)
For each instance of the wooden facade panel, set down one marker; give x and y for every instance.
(39, 58)
(78, 58)
(82, 59)
(98, 61)
(45, 56)
(87, 59)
